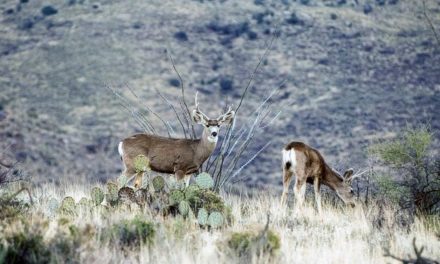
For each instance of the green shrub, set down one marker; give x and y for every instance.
(133, 233)
(24, 247)
(411, 172)
(245, 244)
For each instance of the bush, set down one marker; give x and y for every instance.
(245, 244)
(24, 247)
(413, 179)
(133, 233)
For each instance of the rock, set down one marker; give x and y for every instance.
(368, 9)
(181, 36)
(49, 11)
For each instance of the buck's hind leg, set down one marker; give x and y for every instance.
(287, 178)
(317, 187)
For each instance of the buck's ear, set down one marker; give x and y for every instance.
(197, 117)
(348, 174)
(228, 117)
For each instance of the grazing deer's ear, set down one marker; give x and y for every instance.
(348, 174)
(227, 117)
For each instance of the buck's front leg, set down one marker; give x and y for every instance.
(180, 175)
(138, 180)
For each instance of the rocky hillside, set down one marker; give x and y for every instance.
(351, 72)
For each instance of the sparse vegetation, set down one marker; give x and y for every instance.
(339, 73)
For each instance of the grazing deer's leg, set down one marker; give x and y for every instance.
(299, 191)
(287, 178)
(138, 180)
(317, 187)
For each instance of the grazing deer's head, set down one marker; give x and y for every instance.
(211, 126)
(344, 190)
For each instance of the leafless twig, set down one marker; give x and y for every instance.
(429, 21)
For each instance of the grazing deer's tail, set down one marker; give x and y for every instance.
(289, 159)
(120, 149)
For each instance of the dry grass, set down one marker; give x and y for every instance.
(339, 235)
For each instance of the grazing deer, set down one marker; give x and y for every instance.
(308, 165)
(180, 157)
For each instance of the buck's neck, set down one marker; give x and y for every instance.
(205, 147)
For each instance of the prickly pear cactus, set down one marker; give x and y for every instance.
(67, 206)
(84, 202)
(126, 195)
(176, 196)
(141, 163)
(202, 217)
(97, 195)
(205, 181)
(122, 181)
(184, 208)
(158, 183)
(112, 192)
(215, 219)
(192, 192)
(175, 184)
(52, 206)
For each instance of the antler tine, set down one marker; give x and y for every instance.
(359, 173)
(197, 106)
(197, 102)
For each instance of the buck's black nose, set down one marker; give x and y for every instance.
(214, 134)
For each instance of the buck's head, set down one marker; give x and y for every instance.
(211, 126)
(344, 189)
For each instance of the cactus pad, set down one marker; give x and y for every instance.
(205, 181)
(126, 195)
(84, 202)
(141, 163)
(53, 206)
(68, 206)
(176, 196)
(112, 191)
(122, 181)
(192, 192)
(202, 217)
(158, 183)
(97, 195)
(184, 208)
(215, 219)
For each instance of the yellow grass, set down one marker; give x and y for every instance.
(339, 235)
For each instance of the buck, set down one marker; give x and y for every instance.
(177, 156)
(308, 166)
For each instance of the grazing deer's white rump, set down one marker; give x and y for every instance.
(289, 159)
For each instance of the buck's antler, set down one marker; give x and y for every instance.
(198, 109)
(359, 173)
(228, 115)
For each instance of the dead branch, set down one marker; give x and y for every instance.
(429, 21)
(418, 252)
